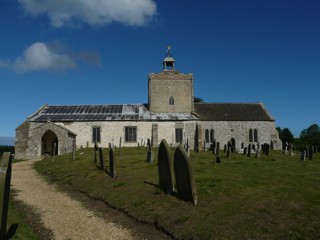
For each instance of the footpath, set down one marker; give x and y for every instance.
(64, 216)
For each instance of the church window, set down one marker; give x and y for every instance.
(171, 101)
(250, 135)
(211, 135)
(179, 136)
(207, 135)
(255, 135)
(130, 134)
(96, 134)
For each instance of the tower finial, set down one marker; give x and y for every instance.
(169, 50)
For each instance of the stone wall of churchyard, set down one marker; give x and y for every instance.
(239, 130)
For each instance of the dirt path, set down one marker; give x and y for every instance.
(66, 217)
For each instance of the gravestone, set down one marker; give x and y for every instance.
(218, 159)
(229, 153)
(112, 162)
(310, 153)
(95, 151)
(242, 145)
(303, 155)
(204, 145)
(214, 147)
(5, 179)
(165, 166)
(74, 149)
(184, 180)
(149, 153)
(307, 152)
(102, 161)
(249, 150)
(225, 148)
(263, 147)
(267, 149)
(120, 141)
(245, 151)
(218, 148)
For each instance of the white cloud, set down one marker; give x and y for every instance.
(39, 56)
(92, 12)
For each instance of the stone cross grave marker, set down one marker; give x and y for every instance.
(102, 161)
(112, 162)
(165, 166)
(5, 179)
(184, 180)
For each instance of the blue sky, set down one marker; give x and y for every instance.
(66, 52)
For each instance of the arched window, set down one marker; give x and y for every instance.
(255, 135)
(207, 135)
(250, 135)
(171, 101)
(211, 135)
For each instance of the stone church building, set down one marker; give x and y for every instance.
(170, 114)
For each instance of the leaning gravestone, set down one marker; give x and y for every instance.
(102, 162)
(5, 179)
(112, 163)
(184, 180)
(165, 168)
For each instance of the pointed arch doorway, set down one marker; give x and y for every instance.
(49, 143)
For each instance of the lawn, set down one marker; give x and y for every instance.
(271, 197)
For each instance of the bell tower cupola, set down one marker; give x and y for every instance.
(168, 61)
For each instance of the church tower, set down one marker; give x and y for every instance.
(170, 91)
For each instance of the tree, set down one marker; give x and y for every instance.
(285, 135)
(311, 135)
(197, 100)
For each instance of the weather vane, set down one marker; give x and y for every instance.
(168, 51)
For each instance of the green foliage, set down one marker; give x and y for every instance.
(311, 135)
(285, 135)
(4, 148)
(271, 197)
(197, 99)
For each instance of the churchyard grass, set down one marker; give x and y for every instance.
(270, 197)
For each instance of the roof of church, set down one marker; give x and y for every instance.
(232, 112)
(134, 112)
(108, 112)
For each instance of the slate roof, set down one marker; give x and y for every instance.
(110, 112)
(232, 112)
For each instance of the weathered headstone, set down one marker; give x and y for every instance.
(214, 147)
(245, 151)
(112, 163)
(310, 153)
(102, 161)
(218, 148)
(307, 152)
(149, 153)
(267, 149)
(5, 179)
(229, 153)
(249, 150)
(74, 149)
(185, 183)
(225, 148)
(120, 146)
(218, 159)
(165, 166)
(95, 151)
(303, 155)
(204, 145)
